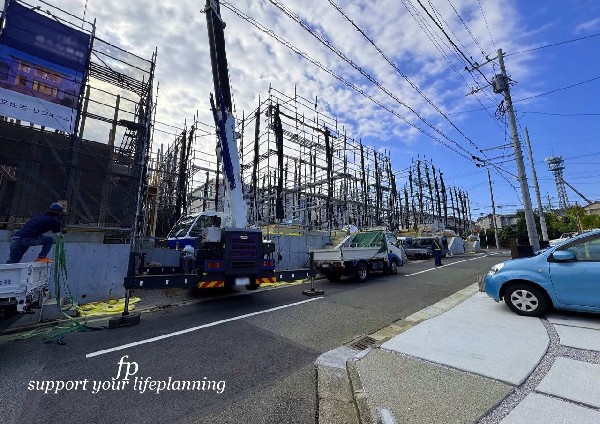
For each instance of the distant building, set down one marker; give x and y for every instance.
(502, 221)
(593, 208)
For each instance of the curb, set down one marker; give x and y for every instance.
(362, 411)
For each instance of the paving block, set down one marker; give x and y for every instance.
(574, 380)
(478, 336)
(578, 337)
(579, 320)
(536, 408)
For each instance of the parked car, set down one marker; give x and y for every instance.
(418, 248)
(565, 276)
(563, 237)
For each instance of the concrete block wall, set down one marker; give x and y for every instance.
(95, 270)
(291, 251)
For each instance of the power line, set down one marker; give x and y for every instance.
(558, 89)
(486, 25)
(460, 52)
(336, 76)
(365, 74)
(474, 66)
(560, 114)
(401, 73)
(464, 24)
(532, 97)
(437, 43)
(554, 44)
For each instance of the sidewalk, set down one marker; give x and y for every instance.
(467, 359)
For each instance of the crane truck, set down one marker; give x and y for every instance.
(226, 252)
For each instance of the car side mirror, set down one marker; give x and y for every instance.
(563, 256)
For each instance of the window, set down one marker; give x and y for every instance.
(391, 239)
(45, 89)
(47, 75)
(181, 228)
(368, 239)
(587, 250)
(203, 222)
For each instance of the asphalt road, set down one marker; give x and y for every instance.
(252, 355)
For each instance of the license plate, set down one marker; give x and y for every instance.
(242, 281)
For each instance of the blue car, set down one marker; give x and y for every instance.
(565, 276)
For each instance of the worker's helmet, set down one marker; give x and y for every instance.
(189, 249)
(56, 208)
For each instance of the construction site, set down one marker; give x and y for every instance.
(302, 171)
(305, 179)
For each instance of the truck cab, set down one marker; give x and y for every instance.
(189, 227)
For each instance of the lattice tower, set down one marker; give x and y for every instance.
(556, 164)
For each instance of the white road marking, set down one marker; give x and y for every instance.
(479, 257)
(433, 269)
(189, 330)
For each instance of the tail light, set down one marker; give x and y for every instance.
(268, 263)
(214, 265)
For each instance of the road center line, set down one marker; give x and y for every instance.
(432, 269)
(189, 330)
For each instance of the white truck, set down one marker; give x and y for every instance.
(360, 254)
(22, 285)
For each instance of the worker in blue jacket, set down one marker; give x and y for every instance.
(32, 234)
(436, 247)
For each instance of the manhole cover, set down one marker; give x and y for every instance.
(364, 343)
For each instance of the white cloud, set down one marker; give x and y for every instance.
(589, 26)
(400, 28)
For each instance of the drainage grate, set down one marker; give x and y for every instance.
(363, 343)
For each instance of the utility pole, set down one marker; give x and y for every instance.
(537, 189)
(493, 211)
(501, 85)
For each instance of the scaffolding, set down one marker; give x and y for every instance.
(431, 206)
(301, 171)
(300, 168)
(99, 177)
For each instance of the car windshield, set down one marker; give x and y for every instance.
(181, 228)
(424, 242)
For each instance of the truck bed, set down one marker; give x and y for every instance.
(20, 281)
(347, 254)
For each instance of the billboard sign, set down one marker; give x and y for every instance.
(42, 65)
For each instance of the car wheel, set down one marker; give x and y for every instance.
(334, 276)
(527, 300)
(393, 268)
(361, 272)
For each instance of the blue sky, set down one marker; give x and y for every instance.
(562, 123)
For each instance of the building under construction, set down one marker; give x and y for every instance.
(300, 168)
(79, 135)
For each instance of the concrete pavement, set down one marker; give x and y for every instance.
(467, 359)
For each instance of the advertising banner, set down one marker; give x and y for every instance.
(42, 65)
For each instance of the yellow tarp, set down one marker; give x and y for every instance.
(111, 306)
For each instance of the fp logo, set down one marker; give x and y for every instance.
(130, 369)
